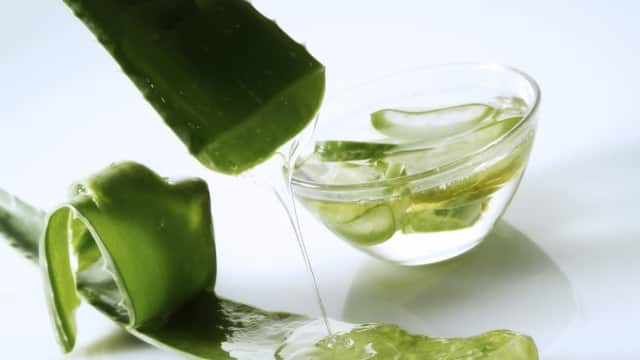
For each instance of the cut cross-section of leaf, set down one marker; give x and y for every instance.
(228, 81)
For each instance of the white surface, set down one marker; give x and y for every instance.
(564, 268)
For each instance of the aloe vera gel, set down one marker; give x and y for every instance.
(433, 184)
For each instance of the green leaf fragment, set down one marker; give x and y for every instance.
(228, 81)
(343, 150)
(21, 224)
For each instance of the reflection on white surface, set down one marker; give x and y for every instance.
(505, 282)
(113, 343)
(585, 214)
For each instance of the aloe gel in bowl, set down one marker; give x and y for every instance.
(417, 168)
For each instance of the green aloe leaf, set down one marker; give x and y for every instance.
(21, 224)
(140, 249)
(228, 81)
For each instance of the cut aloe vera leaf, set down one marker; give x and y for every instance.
(422, 218)
(381, 342)
(228, 81)
(144, 229)
(373, 227)
(430, 126)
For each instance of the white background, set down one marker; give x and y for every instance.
(563, 267)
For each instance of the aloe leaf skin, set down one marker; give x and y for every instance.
(228, 81)
(21, 224)
(155, 238)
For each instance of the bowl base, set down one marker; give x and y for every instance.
(413, 249)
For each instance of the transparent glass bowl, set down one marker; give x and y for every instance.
(442, 199)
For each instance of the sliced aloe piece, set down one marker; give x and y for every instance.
(331, 212)
(482, 183)
(431, 126)
(418, 160)
(509, 107)
(361, 223)
(414, 155)
(342, 173)
(427, 218)
(228, 81)
(345, 150)
(381, 342)
(372, 227)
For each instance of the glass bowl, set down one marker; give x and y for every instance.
(417, 167)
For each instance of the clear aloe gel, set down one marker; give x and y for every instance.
(274, 175)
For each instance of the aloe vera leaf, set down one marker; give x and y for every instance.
(228, 81)
(155, 239)
(430, 126)
(21, 224)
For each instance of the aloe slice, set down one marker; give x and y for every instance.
(482, 183)
(414, 154)
(430, 126)
(228, 81)
(427, 218)
(418, 160)
(373, 227)
(345, 150)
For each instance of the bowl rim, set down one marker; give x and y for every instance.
(386, 183)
